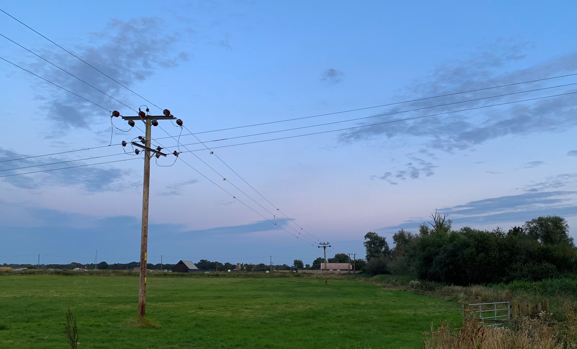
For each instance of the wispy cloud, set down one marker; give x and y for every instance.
(176, 188)
(553, 182)
(504, 209)
(332, 76)
(129, 51)
(532, 164)
(463, 130)
(259, 226)
(572, 153)
(415, 169)
(387, 176)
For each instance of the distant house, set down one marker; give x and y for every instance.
(185, 267)
(338, 267)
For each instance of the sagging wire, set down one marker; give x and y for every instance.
(115, 114)
(174, 162)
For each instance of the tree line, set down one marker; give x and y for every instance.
(540, 249)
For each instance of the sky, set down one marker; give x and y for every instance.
(489, 157)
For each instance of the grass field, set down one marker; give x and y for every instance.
(215, 313)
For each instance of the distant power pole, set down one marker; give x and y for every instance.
(324, 245)
(271, 264)
(38, 265)
(95, 259)
(354, 263)
(149, 120)
(161, 269)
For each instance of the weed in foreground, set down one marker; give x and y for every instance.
(71, 330)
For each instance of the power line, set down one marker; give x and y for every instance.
(231, 183)
(59, 153)
(67, 72)
(60, 162)
(306, 134)
(75, 56)
(234, 197)
(242, 202)
(247, 183)
(385, 114)
(65, 168)
(384, 122)
(224, 178)
(388, 104)
(50, 82)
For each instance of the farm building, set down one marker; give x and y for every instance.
(185, 267)
(339, 267)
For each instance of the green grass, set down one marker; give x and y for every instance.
(215, 313)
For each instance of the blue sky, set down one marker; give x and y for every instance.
(219, 64)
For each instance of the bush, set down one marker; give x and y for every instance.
(377, 266)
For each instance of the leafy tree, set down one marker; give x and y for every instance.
(376, 246)
(317, 263)
(550, 230)
(339, 258)
(298, 264)
(102, 265)
(360, 265)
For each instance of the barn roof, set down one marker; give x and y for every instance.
(189, 265)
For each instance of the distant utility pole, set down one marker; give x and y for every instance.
(38, 265)
(324, 245)
(349, 266)
(354, 263)
(149, 120)
(271, 264)
(95, 260)
(161, 269)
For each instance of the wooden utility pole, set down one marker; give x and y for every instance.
(38, 265)
(354, 263)
(161, 269)
(144, 229)
(324, 245)
(271, 264)
(149, 121)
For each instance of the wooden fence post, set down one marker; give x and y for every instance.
(546, 305)
(515, 306)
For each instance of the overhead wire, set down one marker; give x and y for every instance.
(231, 183)
(387, 113)
(382, 123)
(355, 119)
(227, 192)
(59, 153)
(67, 72)
(253, 188)
(388, 104)
(65, 168)
(242, 202)
(60, 162)
(55, 84)
(75, 56)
